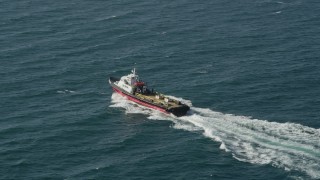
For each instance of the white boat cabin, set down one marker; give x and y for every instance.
(132, 84)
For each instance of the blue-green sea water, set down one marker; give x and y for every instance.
(250, 70)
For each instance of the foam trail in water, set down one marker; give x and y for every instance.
(290, 146)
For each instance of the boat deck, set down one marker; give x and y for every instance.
(152, 98)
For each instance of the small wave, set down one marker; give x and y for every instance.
(203, 72)
(106, 18)
(162, 33)
(66, 91)
(119, 15)
(292, 147)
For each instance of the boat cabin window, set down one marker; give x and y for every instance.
(126, 82)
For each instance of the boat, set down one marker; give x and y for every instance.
(131, 87)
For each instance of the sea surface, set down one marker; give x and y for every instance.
(249, 69)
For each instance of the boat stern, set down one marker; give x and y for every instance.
(179, 111)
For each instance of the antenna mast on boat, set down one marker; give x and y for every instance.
(134, 69)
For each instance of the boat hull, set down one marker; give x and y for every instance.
(177, 111)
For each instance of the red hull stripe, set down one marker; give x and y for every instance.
(139, 102)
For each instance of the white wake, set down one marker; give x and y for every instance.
(292, 147)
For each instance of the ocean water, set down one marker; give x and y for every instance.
(249, 70)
